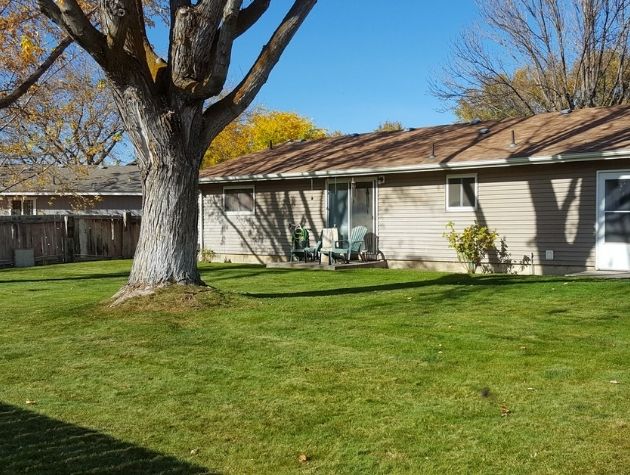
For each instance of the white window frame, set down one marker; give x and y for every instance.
(22, 200)
(240, 213)
(446, 192)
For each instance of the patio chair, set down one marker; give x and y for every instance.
(347, 250)
(311, 253)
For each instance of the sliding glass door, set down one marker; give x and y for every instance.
(351, 203)
(338, 212)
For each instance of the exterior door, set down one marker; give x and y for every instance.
(338, 211)
(613, 221)
(362, 211)
(351, 203)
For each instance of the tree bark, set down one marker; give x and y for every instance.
(168, 153)
(167, 248)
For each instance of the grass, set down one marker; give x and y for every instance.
(367, 371)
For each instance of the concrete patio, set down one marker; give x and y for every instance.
(602, 274)
(337, 266)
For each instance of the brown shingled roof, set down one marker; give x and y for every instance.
(552, 134)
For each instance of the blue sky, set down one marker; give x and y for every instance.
(355, 64)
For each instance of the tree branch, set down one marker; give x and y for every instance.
(69, 16)
(193, 33)
(248, 16)
(222, 112)
(25, 85)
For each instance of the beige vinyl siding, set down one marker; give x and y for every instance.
(533, 208)
(266, 232)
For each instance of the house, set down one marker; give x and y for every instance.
(45, 190)
(555, 186)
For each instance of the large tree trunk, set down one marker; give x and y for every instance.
(162, 105)
(168, 157)
(167, 248)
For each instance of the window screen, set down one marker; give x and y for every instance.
(617, 211)
(239, 200)
(461, 192)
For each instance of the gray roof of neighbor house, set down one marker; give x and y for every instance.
(43, 180)
(583, 134)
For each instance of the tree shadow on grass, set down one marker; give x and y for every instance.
(451, 279)
(244, 270)
(111, 275)
(33, 443)
(211, 275)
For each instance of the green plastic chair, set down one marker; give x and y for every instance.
(350, 249)
(312, 252)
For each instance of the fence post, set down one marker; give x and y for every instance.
(69, 239)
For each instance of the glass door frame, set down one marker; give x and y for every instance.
(349, 181)
(601, 253)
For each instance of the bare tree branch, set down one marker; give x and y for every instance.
(69, 16)
(221, 113)
(540, 55)
(24, 86)
(250, 15)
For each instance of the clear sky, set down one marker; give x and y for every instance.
(355, 64)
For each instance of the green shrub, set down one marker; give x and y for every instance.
(471, 245)
(207, 255)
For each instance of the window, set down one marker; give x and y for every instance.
(461, 192)
(239, 200)
(27, 207)
(16, 207)
(22, 207)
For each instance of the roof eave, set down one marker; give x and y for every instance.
(69, 193)
(505, 162)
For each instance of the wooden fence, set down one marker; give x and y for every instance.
(56, 239)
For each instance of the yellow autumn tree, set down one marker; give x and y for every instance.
(55, 107)
(255, 130)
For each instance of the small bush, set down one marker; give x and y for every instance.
(472, 245)
(207, 255)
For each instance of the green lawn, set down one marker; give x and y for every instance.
(370, 371)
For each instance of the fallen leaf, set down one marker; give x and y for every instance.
(505, 411)
(303, 458)
(194, 451)
(614, 381)
(30, 402)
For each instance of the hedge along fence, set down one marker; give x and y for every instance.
(56, 239)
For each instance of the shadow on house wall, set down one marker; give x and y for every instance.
(563, 203)
(277, 206)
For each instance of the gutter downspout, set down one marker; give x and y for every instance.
(201, 223)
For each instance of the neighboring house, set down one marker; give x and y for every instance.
(555, 186)
(74, 190)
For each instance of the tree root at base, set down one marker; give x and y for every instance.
(131, 291)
